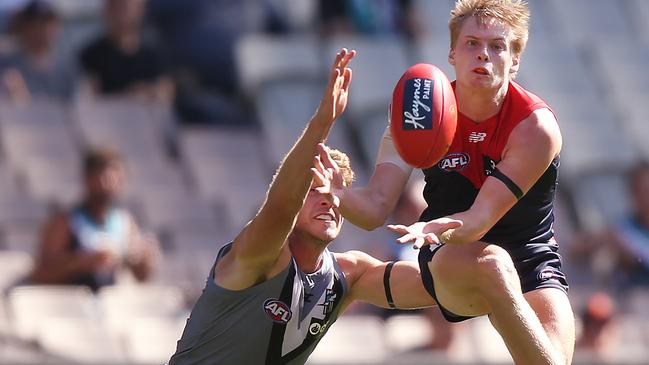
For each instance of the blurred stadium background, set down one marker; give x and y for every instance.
(194, 185)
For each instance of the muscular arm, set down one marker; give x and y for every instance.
(259, 246)
(365, 278)
(532, 146)
(368, 207)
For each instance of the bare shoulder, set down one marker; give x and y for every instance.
(540, 123)
(540, 129)
(355, 257)
(354, 263)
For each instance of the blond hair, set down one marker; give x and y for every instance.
(514, 13)
(343, 162)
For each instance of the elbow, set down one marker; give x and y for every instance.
(371, 222)
(371, 225)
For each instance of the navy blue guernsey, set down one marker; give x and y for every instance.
(453, 184)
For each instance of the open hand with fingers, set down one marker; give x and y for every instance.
(424, 233)
(327, 178)
(334, 100)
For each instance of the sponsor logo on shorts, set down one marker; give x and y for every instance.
(417, 104)
(277, 310)
(454, 162)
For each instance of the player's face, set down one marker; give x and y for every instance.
(482, 55)
(106, 185)
(319, 218)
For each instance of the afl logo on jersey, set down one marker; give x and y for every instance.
(454, 162)
(278, 311)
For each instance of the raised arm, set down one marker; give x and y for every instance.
(532, 146)
(368, 207)
(260, 245)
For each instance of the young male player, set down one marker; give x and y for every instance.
(503, 260)
(275, 290)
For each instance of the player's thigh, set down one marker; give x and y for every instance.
(455, 269)
(555, 313)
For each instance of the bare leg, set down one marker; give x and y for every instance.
(477, 279)
(555, 313)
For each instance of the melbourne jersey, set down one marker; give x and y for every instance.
(279, 321)
(453, 184)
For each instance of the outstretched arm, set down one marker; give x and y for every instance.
(257, 249)
(368, 207)
(532, 146)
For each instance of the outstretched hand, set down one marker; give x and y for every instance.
(326, 174)
(424, 233)
(334, 100)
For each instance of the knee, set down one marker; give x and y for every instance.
(496, 271)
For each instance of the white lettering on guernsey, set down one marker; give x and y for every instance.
(476, 137)
(454, 162)
(412, 117)
(297, 331)
(277, 311)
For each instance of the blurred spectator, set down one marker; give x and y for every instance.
(201, 36)
(121, 61)
(598, 330)
(374, 17)
(34, 67)
(7, 10)
(619, 253)
(88, 245)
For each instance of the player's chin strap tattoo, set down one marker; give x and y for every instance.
(386, 284)
(518, 193)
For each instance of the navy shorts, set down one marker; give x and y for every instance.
(538, 265)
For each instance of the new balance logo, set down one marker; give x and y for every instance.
(476, 137)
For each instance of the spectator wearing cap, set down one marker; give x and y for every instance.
(35, 67)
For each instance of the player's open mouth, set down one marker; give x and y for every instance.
(325, 217)
(481, 71)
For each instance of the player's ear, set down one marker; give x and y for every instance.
(451, 56)
(515, 64)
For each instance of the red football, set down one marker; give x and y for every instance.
(423, 115)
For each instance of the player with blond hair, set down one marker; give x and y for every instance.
(503, 261)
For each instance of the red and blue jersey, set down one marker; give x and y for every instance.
(453, 184)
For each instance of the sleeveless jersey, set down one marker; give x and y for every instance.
(453, 184)
(88, 235)
(279, 321)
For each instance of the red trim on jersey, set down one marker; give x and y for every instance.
(489, 137)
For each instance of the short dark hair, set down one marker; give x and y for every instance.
(98, 159)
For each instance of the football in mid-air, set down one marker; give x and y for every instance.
(423, 115)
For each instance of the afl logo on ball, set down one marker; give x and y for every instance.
(454, 162)
(417, 104)
(278, 311)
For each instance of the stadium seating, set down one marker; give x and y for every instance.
(196, 187)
